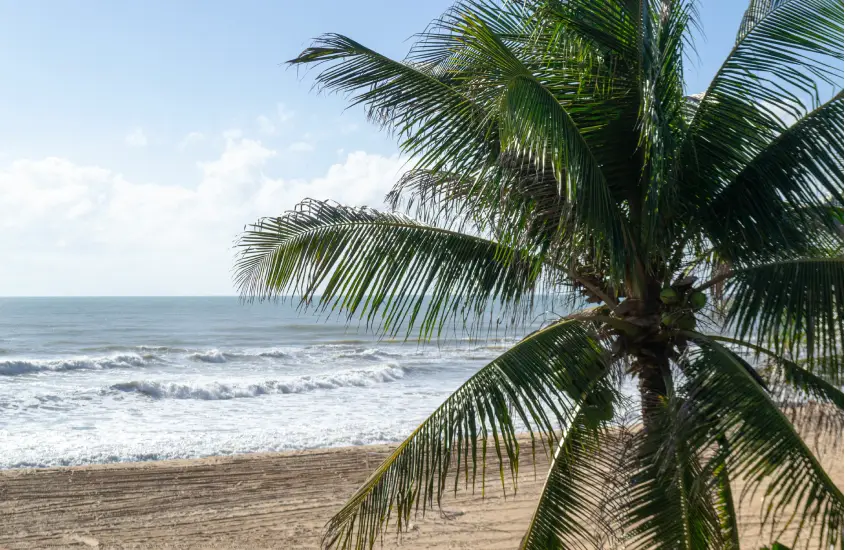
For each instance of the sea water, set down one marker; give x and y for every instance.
(96, 380)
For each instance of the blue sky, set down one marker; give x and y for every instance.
(137, 138)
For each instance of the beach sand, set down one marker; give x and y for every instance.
(278, 500)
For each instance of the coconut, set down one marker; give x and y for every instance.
(686, 322)
(698, 300)
(669, 296)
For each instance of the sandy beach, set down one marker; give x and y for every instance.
(278, 500)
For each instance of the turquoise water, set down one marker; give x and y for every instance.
(92, 380)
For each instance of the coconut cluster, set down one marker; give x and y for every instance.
(680, 302)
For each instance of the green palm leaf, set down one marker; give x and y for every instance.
(610, 27)
(807, 383)
(516, 202)
(595, 44)
(828, 368)
(453, 122)
(724, 499)
(385, 267)
(533, 120)
(539, 382)
(662, 120)
(774, 69)
(764, 446)
(438, 125)
(534, 124)
(578, 508)
(784, 190)
(785, 376)
(783, 304)
(671, 501)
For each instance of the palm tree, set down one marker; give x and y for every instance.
(555, 155)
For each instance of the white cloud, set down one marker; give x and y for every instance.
(362, 179)
(283, 112)
(77, 230)
(785, 116)
(265, 125)
(233, 133)
(136, 138)
(301, 147)
(269, 125)
(191, 139)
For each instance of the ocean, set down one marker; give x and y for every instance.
(98, 380)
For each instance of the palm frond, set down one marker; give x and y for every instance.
(805, 383)
(812, 402)
(438, 126)
(785, 377)
(460, 118)
(787, 304)
(783, 48)
(384, 267)
(828, 368)
(724, 498)
(539, 382)
(775, 69)
(595, 44)
(534, 120)
(534, 125)
(671, 501)
(435, 197)
(764, 446)
(666, 28)
(610, 27)
(441, 50)
(756, 12)
(516, 202)
(778, 202)
(580, 505)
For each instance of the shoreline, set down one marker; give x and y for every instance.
(256, 501)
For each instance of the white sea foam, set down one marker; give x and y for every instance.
(275, 353)
(301, 384)
(12, 367)
(140, 348)
(79, 448)
(211, 356)
(366, 354)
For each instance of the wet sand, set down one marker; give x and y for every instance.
(279, 500)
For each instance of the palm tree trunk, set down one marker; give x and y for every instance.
(653, 390)
(654, 372)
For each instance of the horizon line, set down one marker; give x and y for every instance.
(128, 296)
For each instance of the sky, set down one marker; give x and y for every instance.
(137, 138)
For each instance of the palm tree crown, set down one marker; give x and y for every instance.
(556, 154)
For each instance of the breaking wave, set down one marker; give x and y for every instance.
(320, 354)
(368, 354)
(301, 384)
(211, 356)
(276, 354)
(12, 367)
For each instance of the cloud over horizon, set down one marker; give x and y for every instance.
(73, 229)
(136, 138)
